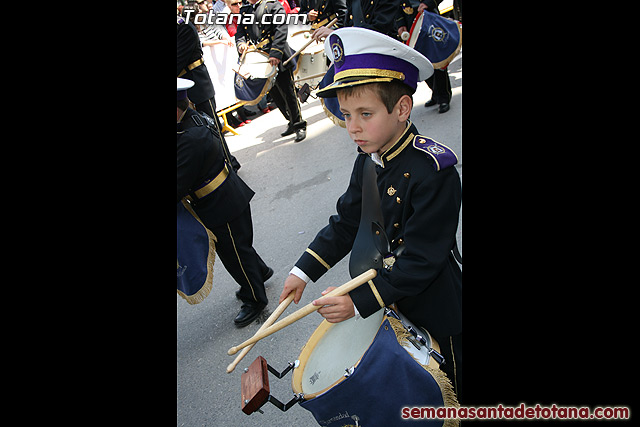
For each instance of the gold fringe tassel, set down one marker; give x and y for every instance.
(448, 395)
(211, 258)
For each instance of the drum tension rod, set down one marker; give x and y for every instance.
(432, 352)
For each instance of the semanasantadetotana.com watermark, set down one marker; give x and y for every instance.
(522, 412)
(246, 19)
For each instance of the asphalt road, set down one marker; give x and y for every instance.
(297, 186)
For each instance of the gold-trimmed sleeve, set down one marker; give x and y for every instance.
(318, 258)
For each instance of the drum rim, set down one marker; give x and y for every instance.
(314, 339)
(419, 19)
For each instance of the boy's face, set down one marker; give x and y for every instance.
(368, 122)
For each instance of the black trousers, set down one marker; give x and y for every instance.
(451, 349)
(283, 94)
(440, 85)
(235, 249)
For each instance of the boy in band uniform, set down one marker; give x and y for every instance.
(420, 196)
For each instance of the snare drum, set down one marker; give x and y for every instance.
(254, 78)
(312, 61)
(436, 37)
(364, 371)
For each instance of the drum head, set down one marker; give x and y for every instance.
(256, 65)
(298, 40)
(332, 349)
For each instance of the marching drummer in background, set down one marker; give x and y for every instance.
(420, 197)
(274, 41)
(439, 81)
(321, 12)
(377, 15)
(191, 66)
(220, 198)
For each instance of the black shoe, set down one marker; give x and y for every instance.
(430, 103)
(444, 107)
(248, 313)
(300, 135)
(268, 274)
(289, 131)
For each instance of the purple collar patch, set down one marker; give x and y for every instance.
(442, 155)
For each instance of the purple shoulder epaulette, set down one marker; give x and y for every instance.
(442, 155)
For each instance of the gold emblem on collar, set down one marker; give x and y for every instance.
(391, 191)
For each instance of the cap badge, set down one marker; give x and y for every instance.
(337, 49)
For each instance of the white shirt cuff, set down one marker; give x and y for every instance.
(301, 274)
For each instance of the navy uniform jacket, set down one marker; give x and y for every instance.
(326, 9)
(420, 206)
(188, 52)
(200, 158)
(409, 10)
(276, 34)
(379, 15)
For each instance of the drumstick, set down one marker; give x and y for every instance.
(307, 44)
(306, 310)
(274, 316)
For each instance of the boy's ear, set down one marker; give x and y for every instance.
(405, 104)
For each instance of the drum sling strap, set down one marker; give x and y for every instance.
(365, 253)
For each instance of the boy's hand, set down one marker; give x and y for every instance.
(337, 309)
(291, 283)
